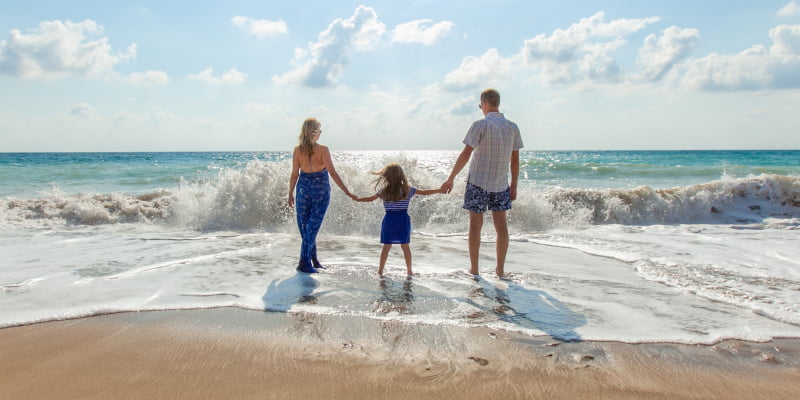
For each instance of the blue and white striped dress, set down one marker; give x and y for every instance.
(396, 226)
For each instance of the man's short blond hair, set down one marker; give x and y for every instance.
(491, 97)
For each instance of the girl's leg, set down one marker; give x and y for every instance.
(384, 256)
(407, 255)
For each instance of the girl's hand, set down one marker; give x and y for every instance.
(291, 201)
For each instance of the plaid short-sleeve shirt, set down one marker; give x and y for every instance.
(492, 139)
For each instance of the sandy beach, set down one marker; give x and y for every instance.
(232, 353)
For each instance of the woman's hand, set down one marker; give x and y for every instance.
(291, 201)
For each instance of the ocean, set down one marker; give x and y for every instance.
(628, 246)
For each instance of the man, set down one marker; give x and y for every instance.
(493, 143)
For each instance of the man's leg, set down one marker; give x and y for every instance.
(501, 226)
(475, 225)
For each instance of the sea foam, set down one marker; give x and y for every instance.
(255, 198)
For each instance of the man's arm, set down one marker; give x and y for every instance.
(462, 160)
(514, 174)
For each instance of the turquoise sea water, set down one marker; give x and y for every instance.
(31, 174)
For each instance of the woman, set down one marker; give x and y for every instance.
(311, 165)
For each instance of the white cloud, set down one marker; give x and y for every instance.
(476, 71)
(582, 51)
(148, 78)
(280, 111)
(421, 31)
(322, 63)
(756, 68)
(465, 106)
(789, 10)
(746, 70)
(571, 44)
(786, 39)
(260, 27)
(600, 67)
(231, 77)
(56, 49)
(82, 110)
(659, 55)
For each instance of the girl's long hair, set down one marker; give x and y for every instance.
(306, 139)
(392, 184)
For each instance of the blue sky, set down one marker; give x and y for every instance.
(388, 75)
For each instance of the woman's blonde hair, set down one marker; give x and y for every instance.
(306, 139)
(392, 184)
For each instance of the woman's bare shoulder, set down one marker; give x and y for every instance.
(322, 149)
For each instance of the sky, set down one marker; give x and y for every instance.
(242, 75)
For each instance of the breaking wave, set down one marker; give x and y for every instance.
(254, 198)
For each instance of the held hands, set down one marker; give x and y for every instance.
(447, 186)
(350, 195)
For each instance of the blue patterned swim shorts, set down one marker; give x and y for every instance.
(478, 200)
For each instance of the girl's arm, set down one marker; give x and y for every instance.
(430, 191)
(293, 177)
(366, 199)
(326, 157)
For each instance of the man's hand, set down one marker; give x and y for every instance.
(447, 186)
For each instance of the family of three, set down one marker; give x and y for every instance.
(492, 144)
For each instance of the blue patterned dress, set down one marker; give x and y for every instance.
(313, 197)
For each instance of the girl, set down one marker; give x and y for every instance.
(393, 188)
(311, 164)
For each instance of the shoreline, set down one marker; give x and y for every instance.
(234, 353)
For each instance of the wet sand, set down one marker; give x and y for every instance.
(232, 353)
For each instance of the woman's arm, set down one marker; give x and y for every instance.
(294, 175)
(326, 157)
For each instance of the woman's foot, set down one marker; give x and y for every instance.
(305, 266)
(317, 264)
